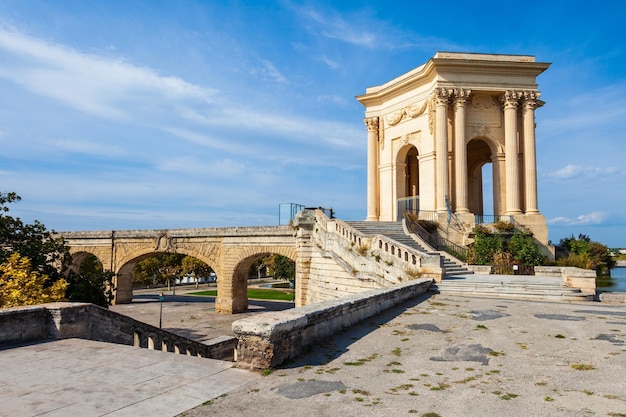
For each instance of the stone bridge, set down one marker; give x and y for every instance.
(230, 252)
(332, 258)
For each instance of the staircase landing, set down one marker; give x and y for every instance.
(510, 286)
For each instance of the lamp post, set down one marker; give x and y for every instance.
(161, 297)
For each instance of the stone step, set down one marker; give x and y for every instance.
(506, 286)
(395, 232)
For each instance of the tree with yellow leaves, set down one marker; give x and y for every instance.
(21, 285)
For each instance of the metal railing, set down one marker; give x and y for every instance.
(407, 204)
(492, 218)
(513, 270)
(288, 211)
(439, 243)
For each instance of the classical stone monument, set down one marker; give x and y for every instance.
(431, 131)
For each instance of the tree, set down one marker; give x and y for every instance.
(485, 246)
(21, 285)
(48, 255)
(158, 269)
(584, 253)
(91, 284)
(503, 246)
(524, 249)
(280, 266)
(195, 266)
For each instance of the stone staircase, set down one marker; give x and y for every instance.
(394, 231)
(458, 280)
(510, 286)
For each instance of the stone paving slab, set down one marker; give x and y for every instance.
(453, 356)
(75, 377)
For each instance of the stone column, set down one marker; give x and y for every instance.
(442, 97)
(530, 156)
(460, 150)
(511, 100)
(372, 168)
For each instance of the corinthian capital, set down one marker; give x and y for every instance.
(443, 95)
(511, 98)
(461, 96)
(371, 123)
(530, 99)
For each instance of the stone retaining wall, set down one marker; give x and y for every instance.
(267, 340)
(87, 321)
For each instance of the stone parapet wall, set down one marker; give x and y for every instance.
(87, 321)
(340, 260)
(267, 340)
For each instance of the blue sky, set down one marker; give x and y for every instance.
(174, 114)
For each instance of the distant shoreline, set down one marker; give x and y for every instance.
(620, 263)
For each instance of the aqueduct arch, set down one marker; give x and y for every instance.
(454, 109)
(227, 250)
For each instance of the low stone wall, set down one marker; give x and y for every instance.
(267, 340)
(613, 297)
(87, 321)
(573, 277)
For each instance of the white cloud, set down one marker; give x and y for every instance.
(571, 171)
(269, 71)
(596, 217)
(567, 171)
(86, 147)
(93, 84)
(330, 62)
(362, 29)
(332, 98)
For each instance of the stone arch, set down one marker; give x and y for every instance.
(407, 178)
(123, 279)
(482, 150)
(237, 286)
(79, 256)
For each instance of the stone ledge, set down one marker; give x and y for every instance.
(267, 340)
(65, 320)
(613, 297)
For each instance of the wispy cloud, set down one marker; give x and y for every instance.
(266, 70)
(577, 171)
(594, 109)
(90, 83)
(596, 217)
(360, 28)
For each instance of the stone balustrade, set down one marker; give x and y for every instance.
(267, 340)
(87, 321)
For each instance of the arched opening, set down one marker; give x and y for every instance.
(481, 186)
(408, 181)
(255, 271)
(412, 173)
(85, 261)
(161, 270)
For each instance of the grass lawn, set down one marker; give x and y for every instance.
(255, 293)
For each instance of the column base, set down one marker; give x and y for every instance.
(227, 305)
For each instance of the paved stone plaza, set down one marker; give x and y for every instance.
(450, 355)
(454, 356)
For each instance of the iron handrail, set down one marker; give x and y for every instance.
(440, 243)
(492, 218)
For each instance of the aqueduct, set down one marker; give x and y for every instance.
(229, 251)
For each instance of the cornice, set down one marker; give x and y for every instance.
(426, 73)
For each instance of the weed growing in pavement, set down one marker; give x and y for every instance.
(582, 366)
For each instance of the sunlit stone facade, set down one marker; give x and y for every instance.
(431, 131)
